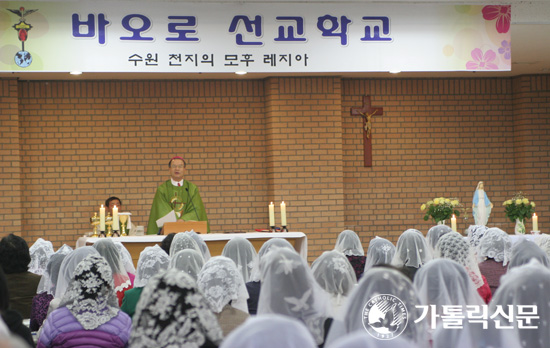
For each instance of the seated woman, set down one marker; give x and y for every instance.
(453, 246)
(411, 252)
(349, 244)
(127, 261)
(187, 321)
(188, 261)
(12, 319)
(182, 241)
(334, 273)
(224, 290)
(434, 233)
(524, 251)
(40, 251)
(88, 314)
(152, 261)
(242, 252)
(493, 254)
(289, 288)
(380, 252)
(201, 243)
(107, 248)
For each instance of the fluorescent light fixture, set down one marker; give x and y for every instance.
(76, 72)
(395, 71)
(240, 72)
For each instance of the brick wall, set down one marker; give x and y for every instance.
(249, 142)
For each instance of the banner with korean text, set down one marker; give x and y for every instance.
(120, 36)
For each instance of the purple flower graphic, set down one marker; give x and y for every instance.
(482, 61)
(505, 49)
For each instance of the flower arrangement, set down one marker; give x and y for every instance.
(518, 208)
(442, 208)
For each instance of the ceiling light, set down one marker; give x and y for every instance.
(240, 72)
(395, 71)
(76, 72)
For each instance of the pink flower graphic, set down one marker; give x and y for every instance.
(505, 49)
(482, 61)
(503, 15)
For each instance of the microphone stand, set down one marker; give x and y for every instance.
(194, 208)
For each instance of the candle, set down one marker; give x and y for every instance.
(535, 222)
(116, 226)
(271, 214)
(102, 218)
(283, 213)
(453, 223)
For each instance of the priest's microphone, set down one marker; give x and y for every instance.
(191, 199)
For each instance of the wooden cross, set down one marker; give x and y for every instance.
(366, 112)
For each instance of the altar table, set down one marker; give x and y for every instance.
(215, 241)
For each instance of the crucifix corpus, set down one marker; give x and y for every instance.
(366, 112)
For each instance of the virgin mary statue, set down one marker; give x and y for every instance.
(481, 206)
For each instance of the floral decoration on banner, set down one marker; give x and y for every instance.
(440, 209)
(505, 49)
(502, 14)
(482, 61)
(518, 207)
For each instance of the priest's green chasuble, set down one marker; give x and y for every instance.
(184, 200)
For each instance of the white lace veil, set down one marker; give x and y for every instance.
(526, 285)
(256, 273)
(90, 296)
(453, 246)
(475, 233)
(188, 261)
(377, 281)
(381, 251)
(242, 252)
(364, 340)
(333, 271)
(182, 241)
(222, 284)
(172, 312)
(434, 233)
(444, 282)
(288, 288)
(107, 248)
(411, 250)
(273, 331)
(152, 261)
(126, 258)
(40, 251)
(68, 266)
(543, 241)
(525, 250)
(201, 243)
(49, 278)
(65, 249)
(495, 244)
(349, 244)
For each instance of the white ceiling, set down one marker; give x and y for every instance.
(530, 47)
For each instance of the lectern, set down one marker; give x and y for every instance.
(183, 226)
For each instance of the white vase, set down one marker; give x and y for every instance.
(442, 222)
(520, 227)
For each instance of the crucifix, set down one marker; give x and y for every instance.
(366, 112)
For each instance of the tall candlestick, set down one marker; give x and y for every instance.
(453, 223)
(535, 222)
(271, 214)
(116, 226)
(283, 213)
(102, 218)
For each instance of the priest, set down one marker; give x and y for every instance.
(176, 196)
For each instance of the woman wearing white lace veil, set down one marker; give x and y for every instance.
(107, 248)
(411, 252)
(543, 241)
(182, 241)
(349, 244)
(67, 268)
(525, 250)
(361, 340)
(380, 252)
(377, 281)
(242, 252)
(288, 288)
(270, 331)
(481, 205)
(127, 261)
(254, 285)
(334, 273)
(152, 261)
(88, 313)
(494, 251)
(453, 246)
(40, 251)
(475, 234)
(224, 290)
(188, 261)
(201, 243)
(524, 286)
(443, 282)
(434, 233)
(172, 312)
